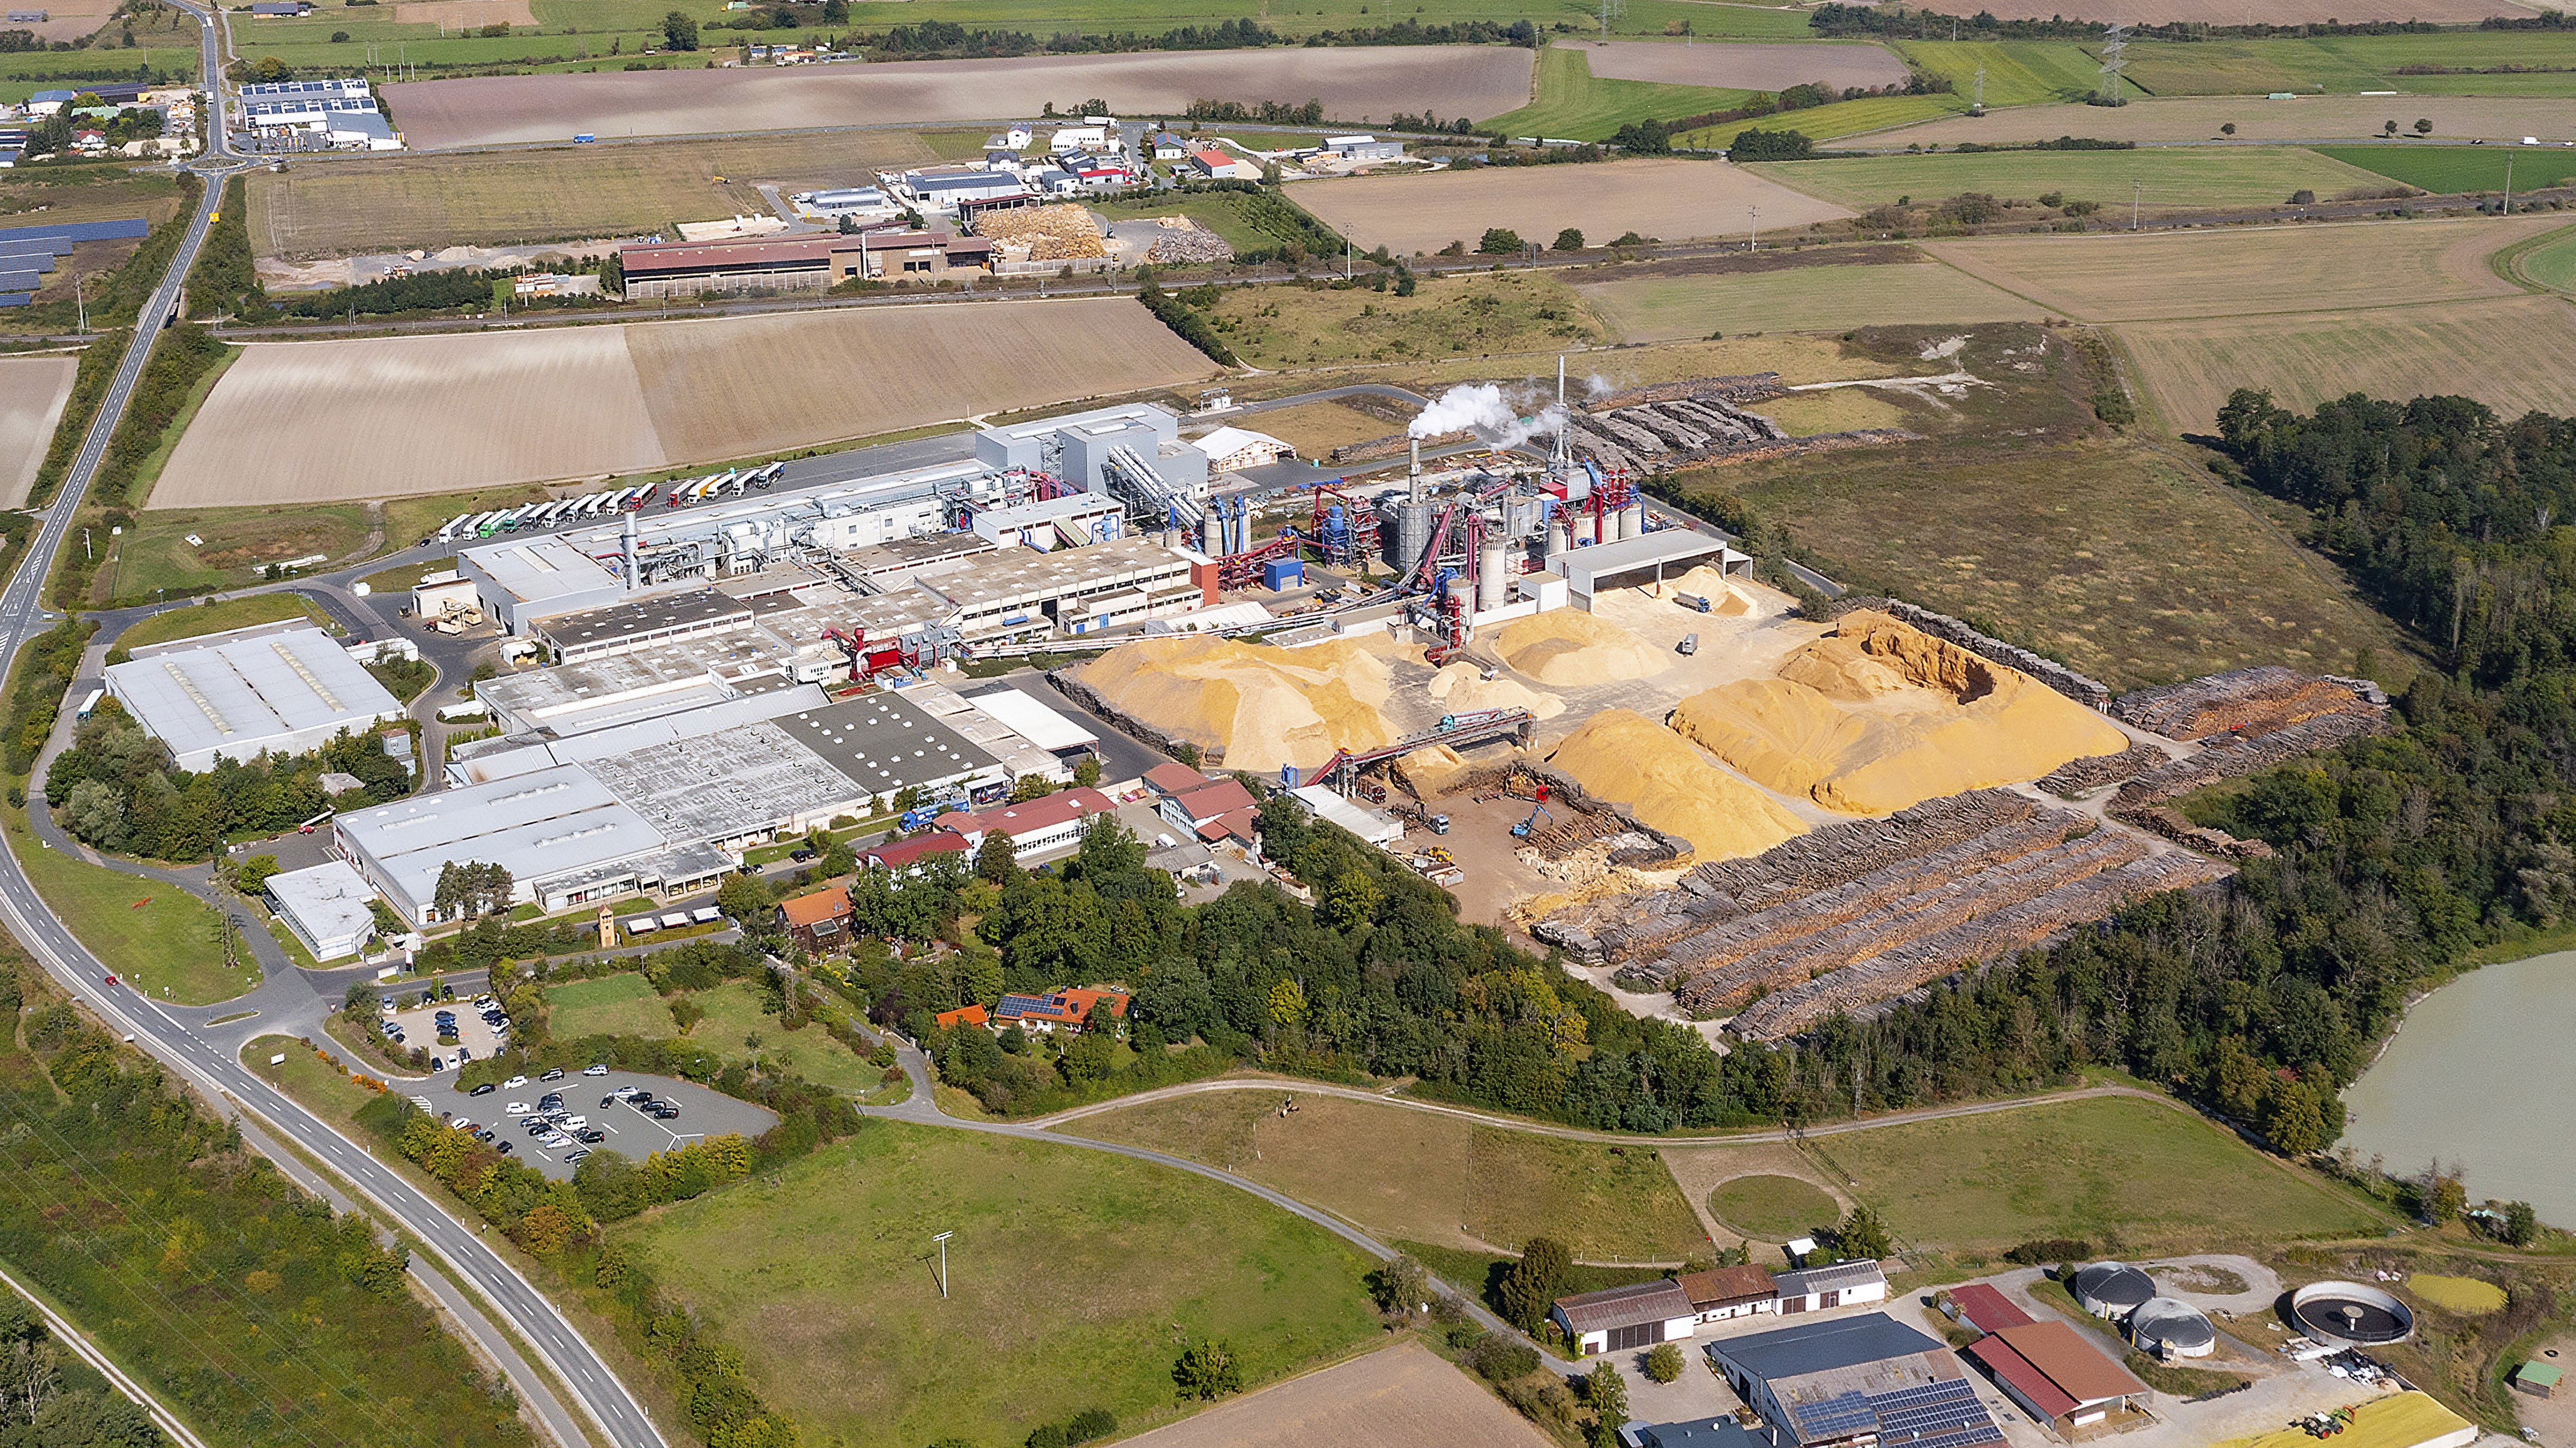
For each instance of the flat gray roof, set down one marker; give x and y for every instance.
(285, 692)
(537, 826)
(629, 617)
(725, 784)
(884, 742)
(328, 900)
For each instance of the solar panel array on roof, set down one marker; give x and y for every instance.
(1943, 1407)
(1839, 1416)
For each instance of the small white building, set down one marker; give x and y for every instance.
(1095, 134)
(1375, 826)
(326, 907)
(1232, 449)
(1624, 1318)
(1843, 1284)
(1218, 166)
(1039, 827)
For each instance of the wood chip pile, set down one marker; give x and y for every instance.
(1849, 916)
(1051, 233)
(1182, 241)
(2245, 701)
(2082, 776)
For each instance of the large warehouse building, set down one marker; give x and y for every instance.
(1855, 1381)
(272, 693)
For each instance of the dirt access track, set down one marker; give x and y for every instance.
(1447, 80)
(302, 422)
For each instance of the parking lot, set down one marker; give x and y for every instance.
(623, 1129)
(419, 1026)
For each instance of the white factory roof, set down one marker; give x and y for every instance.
(537, 826)
(1374, 826)
(659, 732)
(287, 692)
(1033, 721)
(327, 905)
(538, 569)
(1225, 442)
(1676, 549)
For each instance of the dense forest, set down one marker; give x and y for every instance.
(2396, 856)
(118, 790)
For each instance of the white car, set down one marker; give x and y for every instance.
(518, 1108)
(556, 1142)
(625, 1093)
(573, 1123)
(594, 1070)
(514, 1083)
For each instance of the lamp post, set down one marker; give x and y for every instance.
(942, 1240)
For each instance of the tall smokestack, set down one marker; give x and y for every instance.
(627, 545)
(1413, 478)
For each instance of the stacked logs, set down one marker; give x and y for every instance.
(2245, 701)
(2082, 776)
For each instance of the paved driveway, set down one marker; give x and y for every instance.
(704, 1112)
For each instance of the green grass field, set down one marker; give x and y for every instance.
(1465, 316)
(612, 1005)
(2153, 1174)
(2348, 63)
(1773, 1208)
(1423, 1177)
(1800, 299)
(2018, 72)
(2552, 263)
(1075, 1279)
(2170, 177)
(625, 1005)
(234, 544)
(1218, 211)
(188, 623)
(1574, 104)
(2451, 169)
(156, 937)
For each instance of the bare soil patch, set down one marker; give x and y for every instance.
(68, 21)
(1670, 199)
(2113, 277)
(32, 393)
(1467, 80)
(1399, 1397)
(2197, 118)
(402, 416)
(746, 385)
(1741, 66)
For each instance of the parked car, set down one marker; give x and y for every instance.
(486, 1134)
(609, 1100)
(486, 1089)
(594, 1070)
(503, 1147)
(515, 1082)
(572, 1123)
(593, 1134)
(518, 1108)
(553, 1075)
(666, 1112)
(624, 1093)
(575, 1158)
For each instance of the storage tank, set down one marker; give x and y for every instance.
(1211, 534)
(1492, 584)
(1613, 526)
(2350, 1312)
(1412, 534)
(2167, 1327)
(2111, 1289)
(1635, 526)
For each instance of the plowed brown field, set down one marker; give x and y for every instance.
(1449, 80)
(393, 417)
(2255, 12)
(1670, 199)
(32, 393)
(1736, 65)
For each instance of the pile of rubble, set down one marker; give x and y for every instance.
(1183, 241)
(1855, 914)
(2078, 777)
(1048, 233)
(2246, 701)
(1652, 436)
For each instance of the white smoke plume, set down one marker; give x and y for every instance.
(1479, 407)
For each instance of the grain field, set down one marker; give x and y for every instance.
(1741, 65)
(1450, 80)
(1670, 199)
(32, 393)
(2113, 277)
(1799, 299)
(403, 416)
(1398, 1397)
(2511, 353)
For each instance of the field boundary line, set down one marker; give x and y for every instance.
(2506, 262)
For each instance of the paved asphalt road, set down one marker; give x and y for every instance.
(23, 616)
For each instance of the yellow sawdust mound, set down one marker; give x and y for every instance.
(1625, 757)
(1876, 716)
(1463, 689)
(1430, 769)
(1570, 649)
(1724, 597)
(1262, 706)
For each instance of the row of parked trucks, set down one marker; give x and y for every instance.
(615, 500)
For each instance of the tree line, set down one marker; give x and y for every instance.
(118, 789)
(1840, 20)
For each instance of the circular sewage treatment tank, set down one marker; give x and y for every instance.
(2350, 1312)
(2166, 1327)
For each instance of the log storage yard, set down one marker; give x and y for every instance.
(1281, 725)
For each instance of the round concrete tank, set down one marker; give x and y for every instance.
(1492, 584)
(1613, 527)
(1635, 526)
(2111, 1289)
(2166, 1327)
(1212, 535)
(2350, 1312)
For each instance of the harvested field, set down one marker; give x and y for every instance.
(1740, 65)
(2173, 178)
(2513, 354)
(464, 14)
(1877, 716)
(312, 421)
(1571, 649)
(1800, 299)
(2197, 118)
(1463, 80)
(2270, 12)
(1851, 915)
(1404, 1396)
(68, 19)
(1623, 757)
(403, 202)
(1254, 706)
(2111, 277)
(32, 393)
(1670, 199)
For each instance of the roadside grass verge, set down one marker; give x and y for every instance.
(1397, 1172)
(154, 936)
(1075, 1278)
(154, 559)
(186, 621)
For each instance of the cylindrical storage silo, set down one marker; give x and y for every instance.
(2165, 1327)
(1635, 527)
(1492, 582)
(1211, 535)
(1614, 526)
